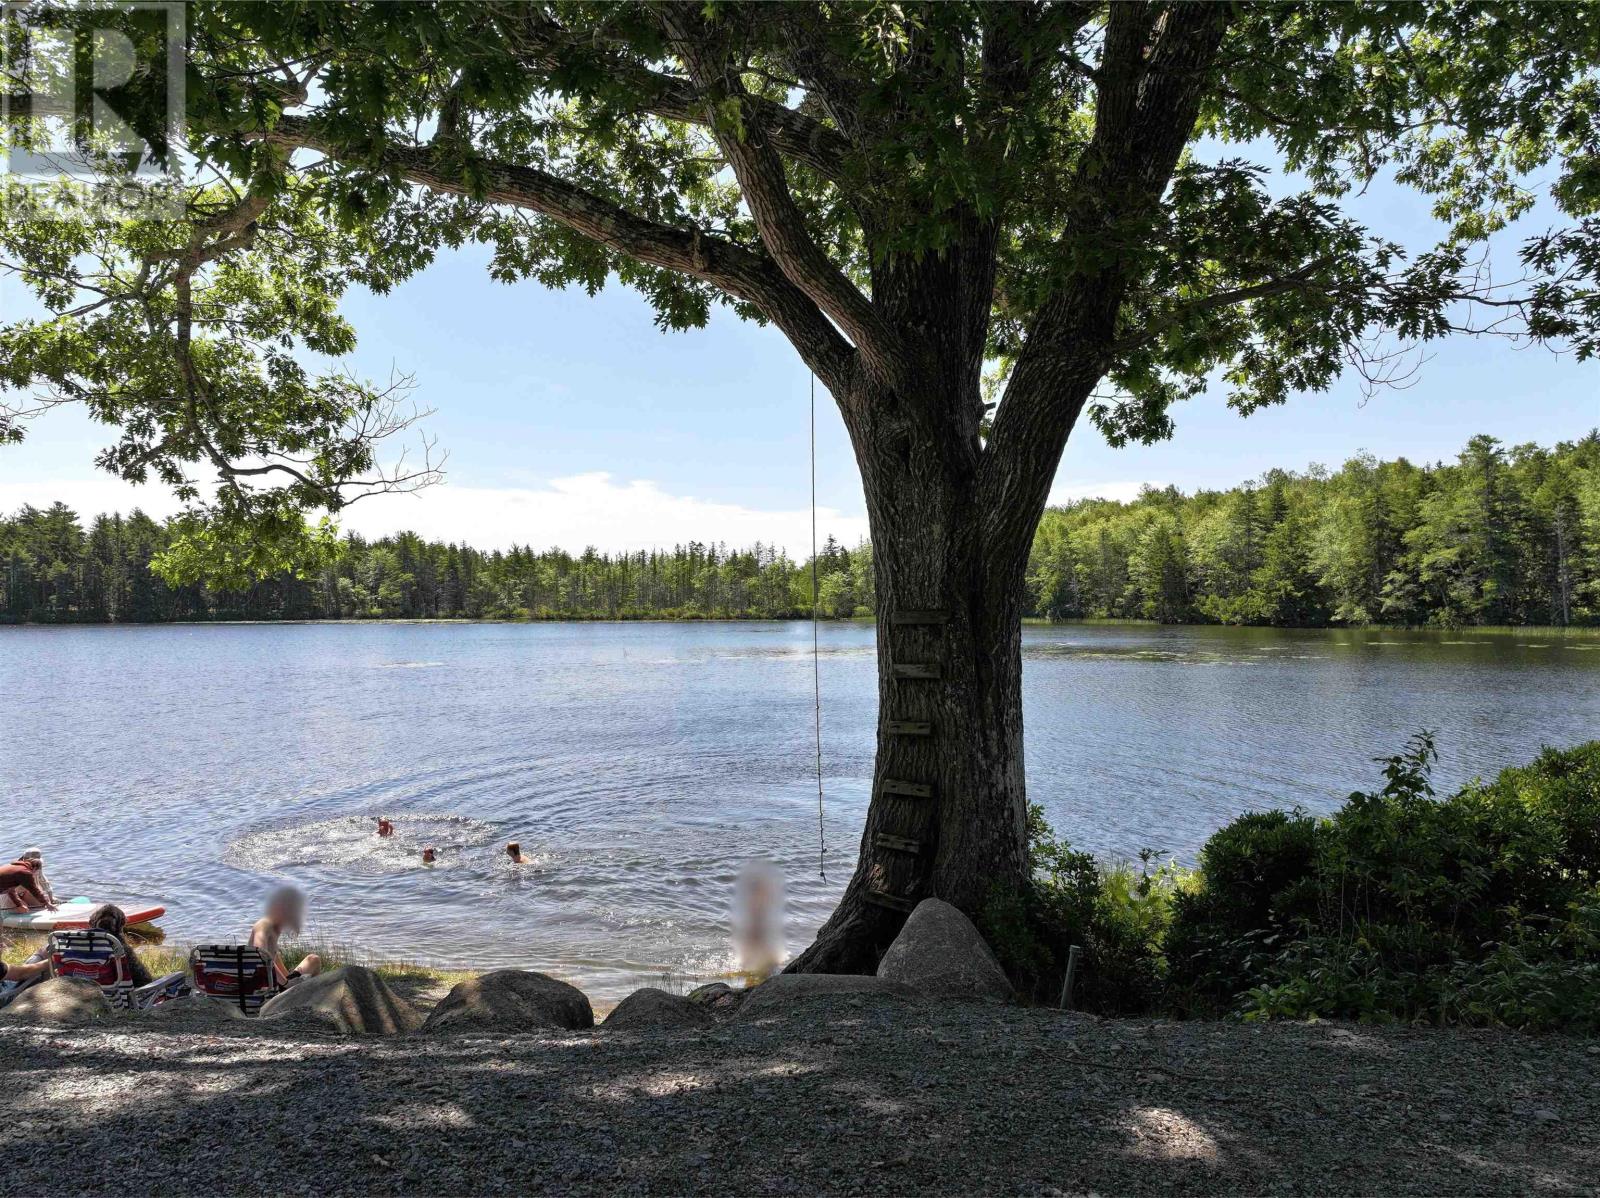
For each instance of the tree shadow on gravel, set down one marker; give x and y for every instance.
(839, 1099)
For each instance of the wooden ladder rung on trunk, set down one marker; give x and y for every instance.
(911, 790)
(894, 902)
(919, 617)
(900, 844)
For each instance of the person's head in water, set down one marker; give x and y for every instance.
(514, 851)
(429, 856)
(286, 908)
(385, 828)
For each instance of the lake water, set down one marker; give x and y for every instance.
(640, 765)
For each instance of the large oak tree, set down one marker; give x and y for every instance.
(976, 223)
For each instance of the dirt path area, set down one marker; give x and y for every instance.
(842, 1095)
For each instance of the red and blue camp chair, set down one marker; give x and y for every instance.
(103, 959)
(239, 973)
(97, 956)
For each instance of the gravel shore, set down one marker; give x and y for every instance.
(839, 1095)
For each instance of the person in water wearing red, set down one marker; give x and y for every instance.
(385, 828)
(20, 889)
(286, 912)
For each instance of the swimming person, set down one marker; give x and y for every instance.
(113, 921)
(429, 856)
(514, 851)
(19, 887)
(286, 912)
(385, 828)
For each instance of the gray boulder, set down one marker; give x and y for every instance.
(59, 1000)
(787, 992)
(351, 999)
(650, 1008)
(196, 1010)
(511, 1000)
(940, 952)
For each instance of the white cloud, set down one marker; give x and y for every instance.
(89, 496)
(592, 509)
(573, 512)
(1125, 491)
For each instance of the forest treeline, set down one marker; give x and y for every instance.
(1500, 536)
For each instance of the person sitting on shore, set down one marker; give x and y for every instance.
(113, 921)
(514, 851)
(286, 910)
(22, 973)
(20, 889)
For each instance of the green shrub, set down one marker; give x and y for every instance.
(1476, 908)
(1253, 882)
(1482, 907)
(1116, 914)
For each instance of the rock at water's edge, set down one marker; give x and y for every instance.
(511, 1000)
(717, 997)
(650, 1008)
(349, 999)
(940, 952)
(780, 994)
(59, 1000)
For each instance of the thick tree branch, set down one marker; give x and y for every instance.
(778, 218)
(731, 268)
(1153, 76)
(546, 46)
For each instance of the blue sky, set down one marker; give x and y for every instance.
(574, 421)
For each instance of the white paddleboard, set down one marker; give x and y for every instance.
(74, 913)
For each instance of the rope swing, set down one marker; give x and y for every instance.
(816, 653)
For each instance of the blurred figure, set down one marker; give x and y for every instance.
(429, 856)
(286, 912)
(514, 851)
(385, 828)
(758, 919)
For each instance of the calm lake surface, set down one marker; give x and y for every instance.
(640, 765)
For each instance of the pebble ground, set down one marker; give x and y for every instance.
(840, 1096)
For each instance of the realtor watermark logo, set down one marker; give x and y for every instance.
(91, 107)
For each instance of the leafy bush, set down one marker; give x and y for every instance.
(1252, 882)
(1116, 914)
(1477, 908)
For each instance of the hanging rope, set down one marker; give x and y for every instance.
(816, 652)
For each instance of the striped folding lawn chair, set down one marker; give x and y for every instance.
(97, 956)
(240, 973)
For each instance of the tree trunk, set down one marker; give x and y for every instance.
(948, 812)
